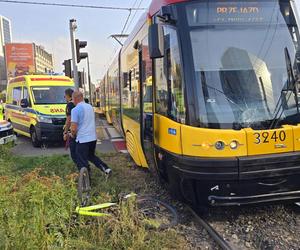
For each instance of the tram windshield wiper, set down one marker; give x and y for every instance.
(292, 87)
(203, 78)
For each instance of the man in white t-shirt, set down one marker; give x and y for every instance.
(83, 127)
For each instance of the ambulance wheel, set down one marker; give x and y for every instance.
(34, 139)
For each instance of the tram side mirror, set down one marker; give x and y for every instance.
(24, 103)
(156, 41)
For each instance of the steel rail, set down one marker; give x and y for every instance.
(211, 231)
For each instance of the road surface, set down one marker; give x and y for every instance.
(109, 141)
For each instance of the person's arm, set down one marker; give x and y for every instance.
(74, 127)
(67, 127)
(68, 121)
(74, 122)
(67, 124)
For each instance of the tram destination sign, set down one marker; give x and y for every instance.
(236, 12)
(233, 12)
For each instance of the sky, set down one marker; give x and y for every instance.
(49, 26)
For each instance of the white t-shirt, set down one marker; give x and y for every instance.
(83, 114)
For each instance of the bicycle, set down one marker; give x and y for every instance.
(84, 186)
(154, 213)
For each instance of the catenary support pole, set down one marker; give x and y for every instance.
(73, 27)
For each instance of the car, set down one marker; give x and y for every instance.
(6, 133)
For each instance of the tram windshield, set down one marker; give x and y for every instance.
(240, 57)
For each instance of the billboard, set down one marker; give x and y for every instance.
(19, 59)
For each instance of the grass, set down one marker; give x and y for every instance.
(38, 198)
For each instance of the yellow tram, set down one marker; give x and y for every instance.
(206, 92)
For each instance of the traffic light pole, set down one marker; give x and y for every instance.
(89, 79)
(73, 28)
(84, 81)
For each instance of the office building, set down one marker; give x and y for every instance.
(27, 58)
(5, 37)
(43, 60)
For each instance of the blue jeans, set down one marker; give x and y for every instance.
(85, 152)
(72, 146)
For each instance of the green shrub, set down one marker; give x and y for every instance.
(38, 198)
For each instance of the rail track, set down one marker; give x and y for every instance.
(297, 206)
(216, 237)
(221, 242)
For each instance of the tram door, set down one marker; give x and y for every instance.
(146, 100)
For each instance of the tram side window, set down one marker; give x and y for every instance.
(17, 95)
(169, 81)
(147, 77)
(162, 97)
(131, 100)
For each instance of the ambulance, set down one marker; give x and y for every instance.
(35, 106)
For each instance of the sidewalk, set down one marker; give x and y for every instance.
(108, 138)
(109, 141)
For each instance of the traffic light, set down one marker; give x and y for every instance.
(68, 69)
(80, 45)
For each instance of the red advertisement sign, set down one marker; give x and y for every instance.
(19, 59)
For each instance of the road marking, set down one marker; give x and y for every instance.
(124, 151)
(117, 139)
(113, 132)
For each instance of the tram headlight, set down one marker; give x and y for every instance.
(219, 145)
(234, 144)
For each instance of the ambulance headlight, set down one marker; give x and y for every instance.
(44, 119)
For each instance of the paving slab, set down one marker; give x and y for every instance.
(104, 144)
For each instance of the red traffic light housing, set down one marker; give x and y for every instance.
(80, 45)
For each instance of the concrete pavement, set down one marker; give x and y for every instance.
(109, 141)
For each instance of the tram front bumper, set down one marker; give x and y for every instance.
(291, 196)
(239, 180)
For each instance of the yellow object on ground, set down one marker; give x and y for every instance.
(88, 210)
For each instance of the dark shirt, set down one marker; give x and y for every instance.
(69, 108)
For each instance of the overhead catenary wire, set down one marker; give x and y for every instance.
(134, 15)
(126, 22)
(126, 25)
(134, 4)
(72, 5)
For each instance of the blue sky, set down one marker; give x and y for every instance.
(49, 26)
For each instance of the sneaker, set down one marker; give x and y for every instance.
(108, 172)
